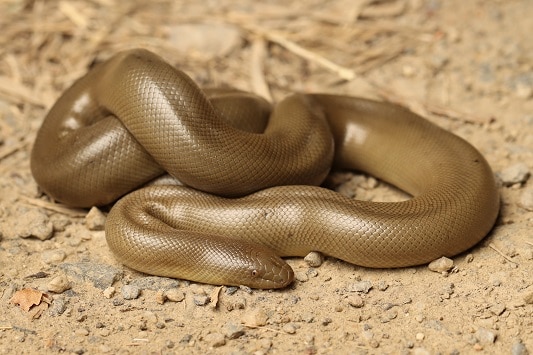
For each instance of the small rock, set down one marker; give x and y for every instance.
(519, 349)
(484, 336)
(109, 292)
(201, 300)
(420, 336)
(95, 220)
(301, 276)
(215, 340)
(515, 174)
(356, 301)
(59, 284)
(160, 297)
(290, 328)
(155, 283)
(255, 318)
(34, 223)
(361, 286)
(441, 265)
(175, 295)
(233, 331)
(53, 256)
(130, 292)
(102, 276)
(150, 317)
(314, 259)
(58, 307)
(497, 309)
(526, 199)
(383, 285)
(186, 339)
(82, 332)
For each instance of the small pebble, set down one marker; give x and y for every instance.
(169, 344)
(356, 301)
(301, 276)
(519, 349)
(361, 286)
(526, 199)
(215, 340)
(233, 331)
(383, 285)
(34, 223)
(327, 321)
(441, 265)
(515, 174)
(484, 336)
(82, 332)
(497, 309)
(58, 307)
(160, 297)
(255, 318)
(52, 257)
(130, 292)
(290, 328)
(420, 336)
(175, 295)
(314, 259)
(59, 284)
(109, 292)
(201, 300)
(95, 219)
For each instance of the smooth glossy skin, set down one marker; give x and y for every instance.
(85, 156)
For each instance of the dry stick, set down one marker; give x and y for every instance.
(348, 74)
(259, 84)
(68, 211)
(502, 254)
(4, 153)
(342, 72)
(17, 93)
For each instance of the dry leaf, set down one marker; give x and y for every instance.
(27, 298)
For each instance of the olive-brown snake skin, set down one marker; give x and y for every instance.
(134, 117)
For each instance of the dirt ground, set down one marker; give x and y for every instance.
(465, 65)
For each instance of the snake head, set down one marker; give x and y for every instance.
(259, 267)
(269, 271)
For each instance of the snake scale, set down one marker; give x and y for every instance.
(250, 174)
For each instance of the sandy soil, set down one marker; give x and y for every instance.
(465, 65)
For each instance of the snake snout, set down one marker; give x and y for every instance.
(270, 271)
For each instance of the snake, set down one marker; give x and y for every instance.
(244, 178)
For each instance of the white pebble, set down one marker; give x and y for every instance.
(314, 259)
(130, 292)
(517, 173)
(526, 199)
(441, 265)
(95, 219)
(59, 284)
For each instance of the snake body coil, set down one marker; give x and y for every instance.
(134, 117)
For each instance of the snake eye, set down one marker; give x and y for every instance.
(254, 273)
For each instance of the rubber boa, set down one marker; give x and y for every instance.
(251, 196)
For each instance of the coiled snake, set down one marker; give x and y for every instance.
(134, 117)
